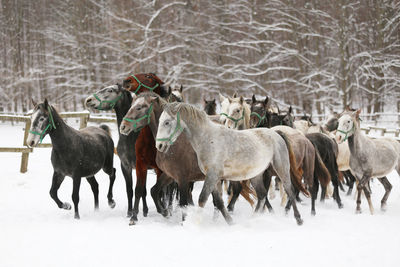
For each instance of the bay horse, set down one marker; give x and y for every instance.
(370, 158)
(223, 158)
(135, 150)
(75, 153)
(179, 163)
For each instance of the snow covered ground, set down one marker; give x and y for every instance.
(34, 232)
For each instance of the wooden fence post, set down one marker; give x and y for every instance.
(25, 155)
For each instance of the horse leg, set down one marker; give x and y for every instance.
(209, 185)
(336, 196)
(127, 172)
(314, 195)
(220, 205)
(367, 194)
(183, 199)
(267, 178)
(75, 194)
(156, 191)
(141, 178)
(351, 181)
(190, 196)
(388, 187)
(236, 189)
(111, 202)
(55, 185)
(95, 189)
(258, 185)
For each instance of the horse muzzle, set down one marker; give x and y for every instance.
(162, 146)
(90, 102)
(125, 128)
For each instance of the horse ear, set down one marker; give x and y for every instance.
(253, 99)
(126, 83)
(46, 103)
(266, 101)
(181, 89)
(221, 98)
(153, 99)
(33, 103)
(357, 112)
(213, 101)
(347, 108)
(234, 95)
(169, 90)
(290, 110)
(241, 100)
(204, 99)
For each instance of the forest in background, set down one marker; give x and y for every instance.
(317, 55)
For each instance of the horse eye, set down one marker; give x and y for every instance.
(237, 111)
(138, 108)
(41, 119)
(166, 123)
(110, 90)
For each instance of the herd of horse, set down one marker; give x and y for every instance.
(248, 143)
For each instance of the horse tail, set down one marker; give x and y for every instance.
(106, 128)
(295, 175)
(320, 170)
(248, 192)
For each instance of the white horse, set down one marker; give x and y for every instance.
(224, 101)
(228, 154)
(238, 115)
(370, 158)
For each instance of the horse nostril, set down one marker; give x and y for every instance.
(89, 100)
(159, 146)
(32, 143)
(122, 127)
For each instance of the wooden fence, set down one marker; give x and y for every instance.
(25, 150)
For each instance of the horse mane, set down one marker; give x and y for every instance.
(190, 114)
(155, 77)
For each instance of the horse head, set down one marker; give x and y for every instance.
(259, 112)
(106, 98)
(348, 123)
(42, 122)
(137, 83)
(238, 115)
(210, 106)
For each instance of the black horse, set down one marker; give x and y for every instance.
(75, 153)
(210, 107)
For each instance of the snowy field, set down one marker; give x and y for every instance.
(34, 232)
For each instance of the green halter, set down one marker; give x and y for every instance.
(147, 115)
(51, 125)
(177, 128)
(260, 119)
(233, 119)
(145, 86)
(346, 133)
(112, 102)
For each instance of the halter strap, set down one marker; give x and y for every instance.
(346, 133)
(147, 115)
(142, 84)
(177, 128)
(233, 119)
(112, 102)
(51, 125)
(260, 119)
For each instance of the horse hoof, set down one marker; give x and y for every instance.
(145, 213)
(165, 213)
(313, 212)
(132, 222)
(383, 207)
(66, 206)
(358, 211)
(299, 221)
(340, 205)
(77, 217)
(229, 221)
(129, 214)
(111, 203)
